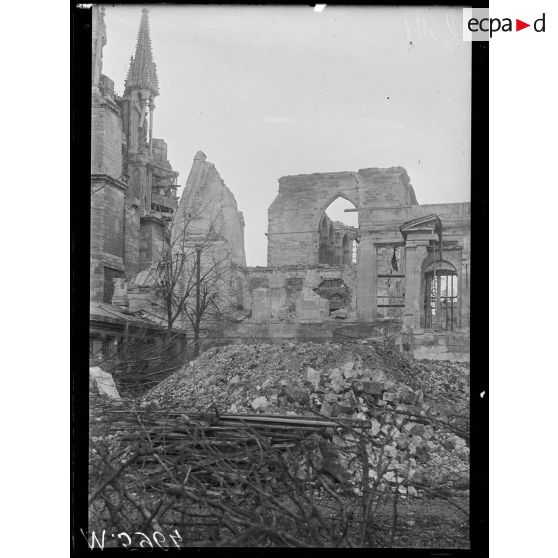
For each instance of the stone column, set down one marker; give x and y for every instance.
(366, 279)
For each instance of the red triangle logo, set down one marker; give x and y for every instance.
(519, 25)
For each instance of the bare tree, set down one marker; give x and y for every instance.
(189, 285)
(186, 293)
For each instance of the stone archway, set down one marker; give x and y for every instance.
(335, 232)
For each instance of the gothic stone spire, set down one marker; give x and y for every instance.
(143, 71)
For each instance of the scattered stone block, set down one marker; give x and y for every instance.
(311, 308)
(340, 314)
(372, 388)
(390, 451)
(402, 442)
(104, 382)
(260, 403)
(389, 477)
(412, 491)
(378, 375)
(428, 432)
(375, 427)
(313, 377)
(417, 429)
(298, 394)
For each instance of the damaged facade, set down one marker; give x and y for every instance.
(136, 215)
(411, 270)
(404, 270)
(133, 185)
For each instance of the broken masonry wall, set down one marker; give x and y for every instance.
(382, 248)
(286, 284)
(438, 345)
(207, 206)
(296, 212)
(424, 345)
(273, 333)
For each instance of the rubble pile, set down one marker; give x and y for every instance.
(418, 410)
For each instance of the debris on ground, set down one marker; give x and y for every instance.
(418, 410)
(103, 382)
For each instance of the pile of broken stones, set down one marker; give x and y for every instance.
(413, 445)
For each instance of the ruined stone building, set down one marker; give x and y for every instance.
(134, 204)
(411, 270)
(403, 272)
(133, 185)
(208, 211)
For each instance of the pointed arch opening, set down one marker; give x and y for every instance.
(337, 233)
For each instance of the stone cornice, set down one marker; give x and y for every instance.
(428, 225)
(109, 181)
(109, 260)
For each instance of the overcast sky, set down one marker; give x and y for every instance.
(272, 91)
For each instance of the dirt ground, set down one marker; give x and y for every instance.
(427, 523)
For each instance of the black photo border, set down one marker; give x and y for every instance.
(80, 60)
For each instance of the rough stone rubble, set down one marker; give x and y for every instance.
(418, 411)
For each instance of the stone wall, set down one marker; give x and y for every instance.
(106, 138)
(422, 345)
(274, 332)
(436, 345)
(380, 232)
(296, 212)
(107, 231)
(286, 284)
(310, 266)
(126, 235)
(208, 208)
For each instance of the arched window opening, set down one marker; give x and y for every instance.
(336, 231)
(441, 297)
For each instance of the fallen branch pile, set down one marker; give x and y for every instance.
(240, 480)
